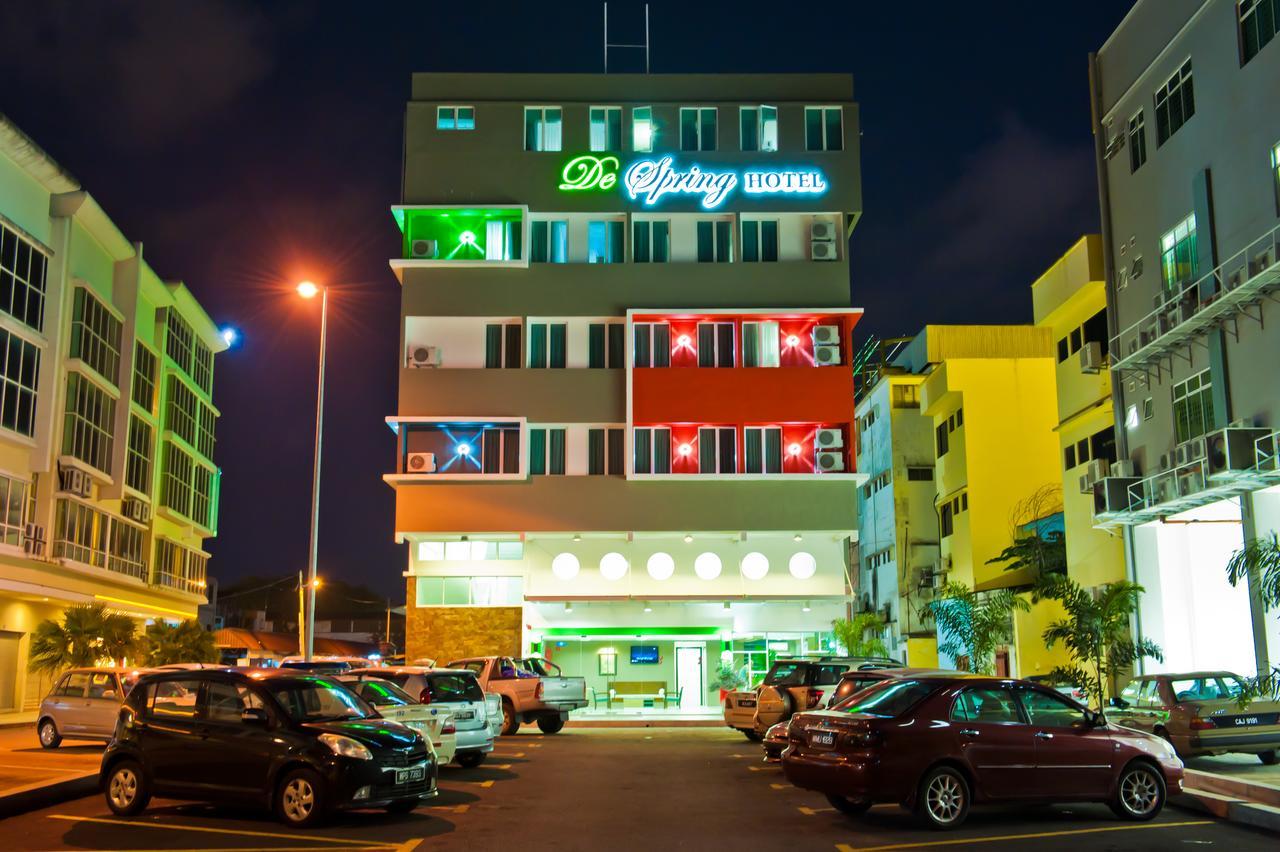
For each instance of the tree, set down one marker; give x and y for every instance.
(1095, 631)
(852, 634)
(1258, 564)
(1037, 546)
(971, 624)
(87, 633)
(187, 642)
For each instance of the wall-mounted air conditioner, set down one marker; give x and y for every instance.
(826, 355)
(820, 250)
(136, 510)
(830, 461)
(423, 356)
(1086, 483)
(1166, 489)
(1091, 357)
(1262, 261)
(1122, 468)
(422, 249)
(1113, 494)
(74, 480)
(1098, 469)
(420, 463)
(33, 540)
(829, 439)
(820, 230)
(826, 334)
(1232, 449)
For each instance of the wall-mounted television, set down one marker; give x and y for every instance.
(644, 655)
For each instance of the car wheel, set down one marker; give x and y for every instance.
(1268, 757)
(550, 724)
(127, 791)
(405, 807)
(845, 805)
(1140, 793)
(510, 721)
(470, 759)
(48, 733)
(300, 800)
(942, 801)
(753, 736)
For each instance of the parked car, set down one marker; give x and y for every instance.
(1070, 690)
(392, 702)
(792, 685)
(1200, 714)
(83, 704)
(453, 690)
(327, 663)
(306, 745)
(938, 743)
(775, 742)
(532, 690)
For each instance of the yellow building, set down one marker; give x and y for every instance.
(1070, 300)
(107, 482)
(989, 393)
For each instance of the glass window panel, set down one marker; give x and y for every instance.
(457, 551)
(457, 591)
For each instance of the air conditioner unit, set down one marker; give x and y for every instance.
(1114, 146)
(1099, 469)
(423, 356)
(33, 540)
(1164, 461)
(1231, 449)
(1190, 482)
(136, 510)
(1122, 468)
(1180, 455)
(1147, 334)
(422, 249)
(831, 461)
(1237, 277)
(1091, 357)
(826, 355)
(1086, 483)
(1262, 262)
(1113, 494)
(74, 481)
(1195, 449)
(829, 439)
(420, 463)
(822, 231)
(1166, 489)
(823, 334)
(820, 250)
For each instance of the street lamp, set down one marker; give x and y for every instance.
(308, 290)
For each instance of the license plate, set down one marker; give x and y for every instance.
(1247, 721)
(408, 776)
(747, 702)
(467, 714)
(822, 739)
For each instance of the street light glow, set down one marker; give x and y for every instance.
(307, 290)
(229, 335)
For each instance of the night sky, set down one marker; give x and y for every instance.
(249, 146)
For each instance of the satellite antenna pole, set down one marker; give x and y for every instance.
(608, 44)
(606, 38)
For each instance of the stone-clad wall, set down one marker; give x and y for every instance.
(446, 633)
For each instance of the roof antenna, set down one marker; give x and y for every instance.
(644, 47)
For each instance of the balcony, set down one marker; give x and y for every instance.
(1229, 465)
(542, 396)
(742, 395)
(1235, 287)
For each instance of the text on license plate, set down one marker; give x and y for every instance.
(822, 739)
(467, 714)
(1249, 721)
(747, 702)
(408, 776)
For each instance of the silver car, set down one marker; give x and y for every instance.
(455, 690)
(84, 704)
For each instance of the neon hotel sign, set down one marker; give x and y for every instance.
(650, 180)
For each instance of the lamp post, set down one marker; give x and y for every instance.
(308, 290)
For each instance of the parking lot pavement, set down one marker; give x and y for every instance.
(616, 789)
(23, 763)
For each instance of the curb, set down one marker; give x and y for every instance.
(1238, 811)
(36, 796)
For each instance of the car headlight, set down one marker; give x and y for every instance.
(346, 747)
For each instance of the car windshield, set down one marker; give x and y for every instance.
(785, 674)
(893, 698)
(455, 686)
(1218, 687)
(380, 693)
(321, 666)
(319, 700)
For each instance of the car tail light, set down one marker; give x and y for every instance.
(862, 739)
(1198, 724)
(537, 693)
(815, 697)
(449, 729)
(424, 697)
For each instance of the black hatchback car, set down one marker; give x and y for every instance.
(302, 743)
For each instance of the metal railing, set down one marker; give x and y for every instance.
(1231, 286)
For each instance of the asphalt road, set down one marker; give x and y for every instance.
(24, 762)
(617, 789)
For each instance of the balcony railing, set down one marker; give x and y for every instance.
(1191, 485)
(1233, 286)
(182, 584)
(100, 558)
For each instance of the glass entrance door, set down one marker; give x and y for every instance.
(691, 675)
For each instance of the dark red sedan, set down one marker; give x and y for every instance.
(937, 743)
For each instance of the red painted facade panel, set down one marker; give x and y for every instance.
(743, 395)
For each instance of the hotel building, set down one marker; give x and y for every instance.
(626, 405)
(1188, 149)
(107, 482)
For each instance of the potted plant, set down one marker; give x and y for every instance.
(727, 680)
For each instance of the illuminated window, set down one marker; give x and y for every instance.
(715, 241)
(550, 241)
(1137, 142)
(542, 128)
(823, 128)
(604, 242)
(471, 550)
(761, 344)
(650, 241)
(652, 345)
(643, 129)
(546, 452)
(23, 268)
(651, 449)
(13, 509)
(1175, 104)
(187, 486)
(470, 591)
(697, 128)
(717, 450)
(1193, 407)
(762, 448)
(759, 240)
(758, 128)
(606, 128)
(1179, 259)
(1259, 20)
(137, 468)
(455, 118)
(90, 418)
(188, 417)
(95, 335)
(144, 377)
(548, 344)
(18, 371)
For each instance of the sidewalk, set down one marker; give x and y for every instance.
(33, 777)
(1235, 787)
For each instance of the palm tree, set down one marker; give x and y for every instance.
(187, 642)
(852, 633)
(1258, 559)
(87, 634)
(971, 624)
(1095, 631)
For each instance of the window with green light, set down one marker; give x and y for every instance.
(1179, 259)
(643, 129)
(456, 234)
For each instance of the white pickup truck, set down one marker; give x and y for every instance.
(532, 690)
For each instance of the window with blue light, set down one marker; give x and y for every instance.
(605, 128)
(455, 118)
(604, 242)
